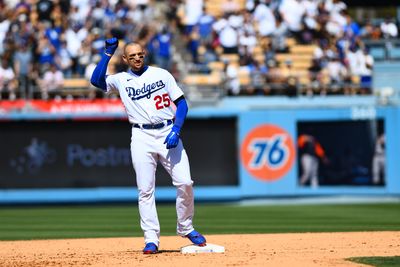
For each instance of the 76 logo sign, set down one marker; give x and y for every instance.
(271, 152)
(267, 152)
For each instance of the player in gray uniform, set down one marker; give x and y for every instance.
(378, 160)
(311, 153)
(157, 109)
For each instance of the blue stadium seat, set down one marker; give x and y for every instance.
(394, 53)
(378, 53)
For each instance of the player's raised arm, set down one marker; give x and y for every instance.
(98, 78)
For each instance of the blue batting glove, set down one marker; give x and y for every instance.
(111, 45)
(172, 139)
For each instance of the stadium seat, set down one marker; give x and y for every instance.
(394, 53)
(216, 66)
(302, 49)
(74, 83)
(258, 50)
(213, 79)
(290, 41)
(294, 57)
(214, 6)
(77, 87)
(230, 57)
(244, 77)
(378, 53)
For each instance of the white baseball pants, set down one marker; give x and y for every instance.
(147, 149)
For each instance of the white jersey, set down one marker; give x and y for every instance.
(147, 98)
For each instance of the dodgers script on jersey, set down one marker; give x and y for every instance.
(148, 98)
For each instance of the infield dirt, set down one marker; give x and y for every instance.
(306, 249)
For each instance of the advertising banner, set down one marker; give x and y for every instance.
(96, 153)
(80, 107)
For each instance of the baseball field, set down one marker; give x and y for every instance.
(259, 235)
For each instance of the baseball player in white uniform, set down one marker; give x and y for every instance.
(150, 95)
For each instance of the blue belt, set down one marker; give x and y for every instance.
(153, 126)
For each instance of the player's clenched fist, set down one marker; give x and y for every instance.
(172, 139)
(111, 45)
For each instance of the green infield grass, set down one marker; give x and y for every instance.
(378, 261)
(53, 222)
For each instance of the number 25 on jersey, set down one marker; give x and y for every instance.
(162, 101)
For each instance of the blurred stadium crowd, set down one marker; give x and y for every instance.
(48, 49)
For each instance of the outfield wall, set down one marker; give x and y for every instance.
(244, 148)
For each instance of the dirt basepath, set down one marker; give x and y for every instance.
(310, 249)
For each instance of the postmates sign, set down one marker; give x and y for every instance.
(268, 152)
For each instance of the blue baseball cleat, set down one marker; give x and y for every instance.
(197, 238)
(150, 248)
